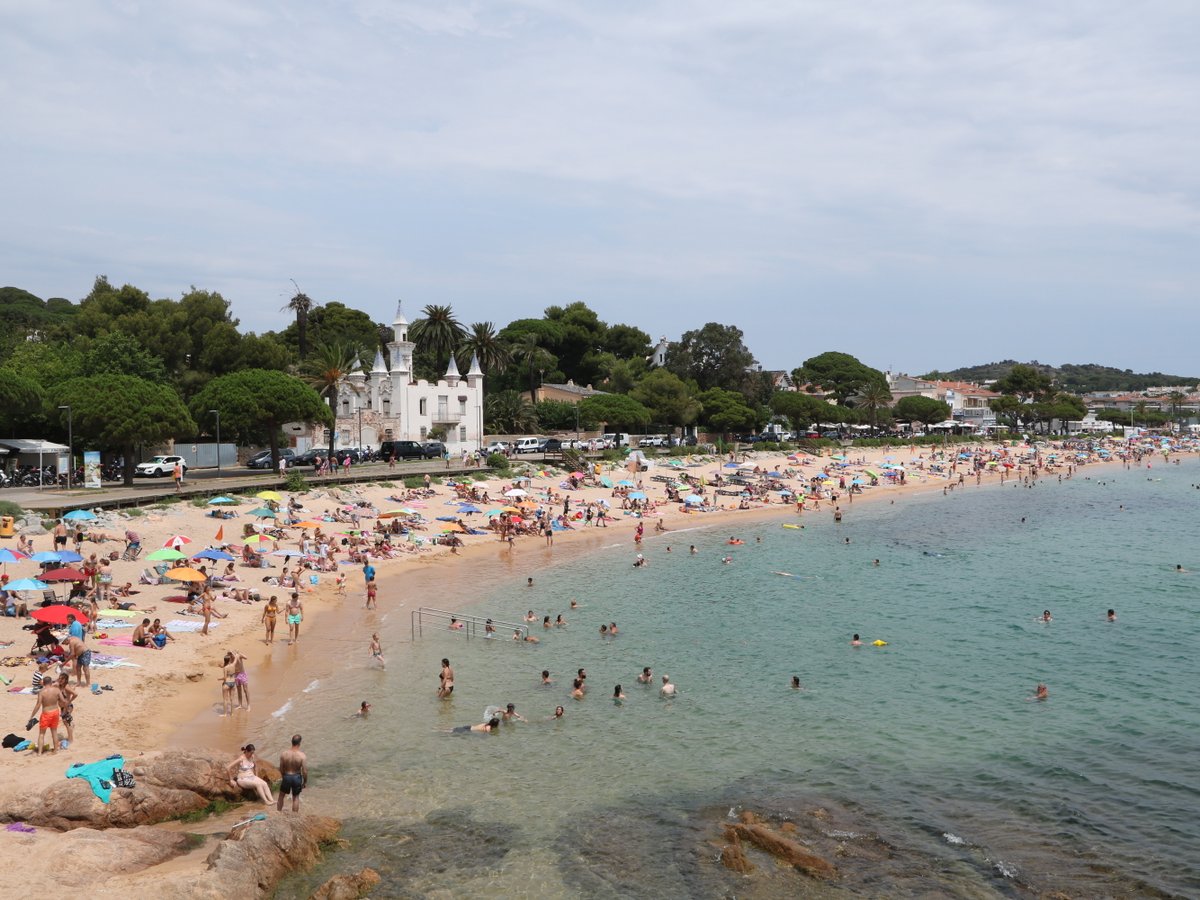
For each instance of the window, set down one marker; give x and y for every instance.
(345, 407)
(462, 405)
(462, 434)
(424, 430)
(424, 407)
(387, 433)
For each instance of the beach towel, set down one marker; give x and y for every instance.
(100, 661)
(98, 774)
(118, 642)
(107, 624)
(185, 625)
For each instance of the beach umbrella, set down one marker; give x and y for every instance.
(166, 553)
(454, 527)
(605, 481)
(307, 523)
(509, 509)
(7, 556)
(515, 492)
(263, 513)
(63, 575)
(26, 584)
(176, 539)
(776, 475)
(79, 515)
(56, 614)
(258, 539)
(213, 555)
(184, 573)
(785, 493)
(576, 474)
(269, 495)
(637, 495)
(69, 556)
(47, 556)
(219, 501)
(467, 509)
(693, 499)
(492, 513)
(857, 481)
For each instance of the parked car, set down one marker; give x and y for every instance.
(529, 445)
(309, 457)
(433, 449)
(498, 447)
(401, 450)
(655, 440)
(159, 467)
(263, 460)
(553, 445)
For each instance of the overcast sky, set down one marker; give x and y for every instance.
(921, 184)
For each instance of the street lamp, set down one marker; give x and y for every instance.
(218, 415)
(70, 443)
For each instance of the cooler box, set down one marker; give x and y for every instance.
(6, 526)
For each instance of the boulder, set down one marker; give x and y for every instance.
(168, 785)
(83, 858)
(348, 887)
(784, 849)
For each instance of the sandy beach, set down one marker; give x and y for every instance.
(172, 697)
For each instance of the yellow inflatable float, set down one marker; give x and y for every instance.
(879, 643)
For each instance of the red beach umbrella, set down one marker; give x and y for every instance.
(57, 614)
(63, 575)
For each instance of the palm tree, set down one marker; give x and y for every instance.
(301, 304)
(325, 372)
(482, 342)
(870, 398)
(507, 412)
(438, 332)
(529, 353)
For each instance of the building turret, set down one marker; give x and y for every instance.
(475, 374)
(401, 348)
(452, 376)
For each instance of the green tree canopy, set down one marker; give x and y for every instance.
(507, 412)
(712, 356)
(802, 410)
(438, 334)
(667, 397)
(627, 342)
(257, 403)
(617, 411)
(727, 411)
(840, 375)
(921, 409)
(336, 324)
(1026, 383)
(20, 400)
(122, 412)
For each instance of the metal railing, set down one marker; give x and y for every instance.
(472, 626)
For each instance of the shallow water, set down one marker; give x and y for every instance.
(929, 768)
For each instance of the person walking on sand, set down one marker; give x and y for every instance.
(243, 773)
(376, 650)
(293, 766)
(47, 701)
(177, 476)
(295, 615)
(241, 680)
(269, 615)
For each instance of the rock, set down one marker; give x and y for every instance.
(85, 857)
(348, 887)
(785, 849)
(788, 827)
(168, 785)
(748, 818)
(732, 855)
(247, 864)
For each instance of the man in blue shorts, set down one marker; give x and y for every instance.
(293, 765)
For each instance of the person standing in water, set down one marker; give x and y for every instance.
(293, 766)
(446, 685)
(376, 651)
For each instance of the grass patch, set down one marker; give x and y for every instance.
(414, 481)
(135, 512)
(214, 808)
(195, 840)
(8, 508)
(387, 484)
(199, 502)
(295, 481)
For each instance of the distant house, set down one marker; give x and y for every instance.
(658, 356)
(969, 403)
(567, 393)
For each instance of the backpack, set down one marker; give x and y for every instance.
(123, 779)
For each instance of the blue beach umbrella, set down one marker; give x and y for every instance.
(624, 482)
(213, 555)
(27, 584)
(731, 465)
(68, 556)
(79, 515)
(46, 556)
(693, 499)
(7, 556)
(468, 509)
(605, 481)
(263, 513)
(637, 495)
(218, 501)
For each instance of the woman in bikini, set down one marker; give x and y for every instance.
(228, 683)
(243, 773)
(270, 613)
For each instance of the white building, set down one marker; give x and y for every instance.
(386, 404)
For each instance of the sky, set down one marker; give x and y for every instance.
(921, 184)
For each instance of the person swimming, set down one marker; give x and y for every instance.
(1046, 617)
(490, 725)
(1112, 615)
(856, 641)
(795, 682)
(646, 677)
(618, 696)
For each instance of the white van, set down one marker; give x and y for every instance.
(616, 440)
(528, 445)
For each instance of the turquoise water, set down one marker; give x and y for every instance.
(920, 767)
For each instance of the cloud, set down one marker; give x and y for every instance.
(752, 156)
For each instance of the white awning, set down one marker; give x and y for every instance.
(22, 445)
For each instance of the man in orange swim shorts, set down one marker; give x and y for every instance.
(47, 701)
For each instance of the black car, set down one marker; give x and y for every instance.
(263, 460)
(310, 457)
(433, 449)
(552, 445)
(401, 450)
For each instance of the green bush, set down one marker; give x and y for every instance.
(8, 508)
(199, 502)
(295, 481)
(498, 461)
(135, 513)
(414, 481)
(387, 484)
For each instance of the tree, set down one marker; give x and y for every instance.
(325, 371)
(1025, 383)
(335, 323)
(438, 333)
(20, 398)
(870, 398)
(627, 342)
(301, 304)
(802, 410)
(1008, 408)
(482, 342)
(713, 356)
(667, 397)
(840, 375)
(726, 411)
(257, 403)
(117, 353)
(925, 410)
(615, 410)
(556, 415)
(580, 337)
(528, 352)
(122, 411)
(507, 412)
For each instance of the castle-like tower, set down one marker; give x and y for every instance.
(386, 404)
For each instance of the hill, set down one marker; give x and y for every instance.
(1076, 378)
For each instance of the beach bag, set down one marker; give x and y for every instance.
(123, 779)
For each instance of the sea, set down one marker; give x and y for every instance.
(919, 768)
